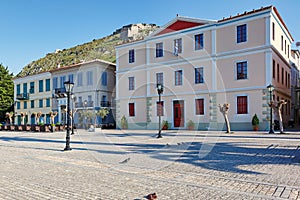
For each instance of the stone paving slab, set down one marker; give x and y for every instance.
(115, 164)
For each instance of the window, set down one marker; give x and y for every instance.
(89, 98)
(104, 78)
(199, 75)
(48, 102)
(79, 79)
(273, 31)
(288, 50)
(242, 105)
(62, 81)
(25, 104)
(131, 56)
(89, 78)
(277, 72)
(159, 50)
(41, 103)
(71, 78)
(284, 46)
(18, 105)
(177, 46)
(41, 85)
(160, 78)
(199, 41)
(282, 75)
(241, 35)
(131, 110)
(286, 78)
(31, 90)
(281, 43)
(131, 83)
(47, 85)
(289, 80)
(32, 104)
(199, 103)
(18, 89)
(25, 88)
(54, 83)
(274, 65)
(241, 70)
(178, 77)
(160, 108)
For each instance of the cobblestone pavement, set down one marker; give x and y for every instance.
(114, 164)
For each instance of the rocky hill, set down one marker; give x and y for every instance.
(97, 49)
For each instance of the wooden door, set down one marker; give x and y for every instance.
(178, 112)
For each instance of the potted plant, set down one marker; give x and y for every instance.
(124, 123)
(103, 112)
(190, 125)
(255, 123)
(165, 125)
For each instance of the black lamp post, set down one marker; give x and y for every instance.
(160, 89)
(85, 117)
(72, 112)
(271, 89)
(68, 86)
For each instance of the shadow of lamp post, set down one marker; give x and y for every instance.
(68, 86)
(160, 89)
(271, 89)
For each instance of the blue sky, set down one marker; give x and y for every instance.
(32, 28)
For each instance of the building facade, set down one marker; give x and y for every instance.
(204, 63)
(32, 94)
(94, 85)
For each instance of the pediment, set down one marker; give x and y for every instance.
(180, 23)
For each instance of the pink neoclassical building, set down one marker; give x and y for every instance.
(203, 63)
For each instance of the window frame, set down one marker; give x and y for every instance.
(160, 78)
(159, 50)
(244, 110)
(199, 75)
(200, 110)
(177, 43)
(41, 85)
(199, 41)
(131, 56)
(104, 78)
(244, 66)
(178, 77)
(131, 84)
(241, 33)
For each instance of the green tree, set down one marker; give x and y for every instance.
(6, 91)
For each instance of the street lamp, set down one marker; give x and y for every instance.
(271, 89)
(68, 86)
(85, 117)
(160, 89)
(72, 112)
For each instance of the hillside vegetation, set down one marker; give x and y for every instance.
(103, 48)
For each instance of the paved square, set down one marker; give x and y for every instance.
(114, 164)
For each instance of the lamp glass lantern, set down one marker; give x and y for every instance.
(68, 86)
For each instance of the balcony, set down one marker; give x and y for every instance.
(23, 96)
(60, 92)
(105, 104)
(86, 104)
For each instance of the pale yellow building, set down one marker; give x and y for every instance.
(203, 63)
